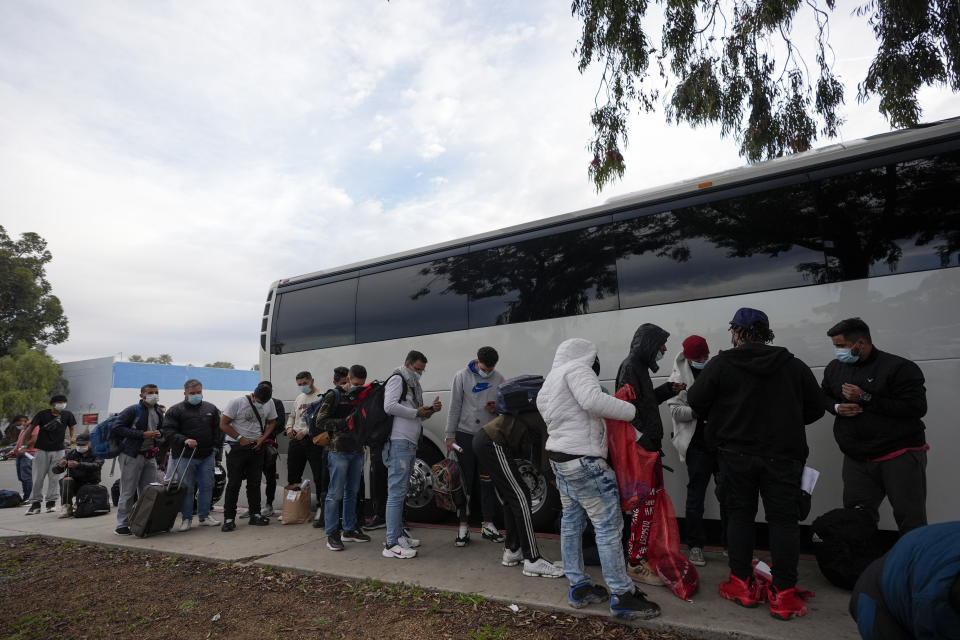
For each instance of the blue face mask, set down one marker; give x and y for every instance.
(659, 356)
(258, 405)
(417, 374)
(698, 365)
(846, 356)
(484, 374)
(196, 398)
(305, 388)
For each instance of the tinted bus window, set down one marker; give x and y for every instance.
(412, 301)
(892, 219)
(757, 242)
(567, 274)
(315, 317)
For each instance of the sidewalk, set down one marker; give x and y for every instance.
(474, 569)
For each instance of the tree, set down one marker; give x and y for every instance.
(27, 379)
(163, 358)
(29, 312)
(220, 365)
(255, 367)
(717, 63)
(136, 358)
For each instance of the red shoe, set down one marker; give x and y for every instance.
(785, 603)
(744, 592)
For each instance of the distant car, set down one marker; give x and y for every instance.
(7, 451)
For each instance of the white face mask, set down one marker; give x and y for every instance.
(21, 427)
(83, 449)
(151, 398)
(60, 406)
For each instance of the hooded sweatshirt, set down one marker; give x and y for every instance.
(573, 404)
(684, 419)
(469, 393)
(635, 371)
(757, 400)
(407, 425)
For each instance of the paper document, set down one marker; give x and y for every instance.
(29, 456)
(809, 480)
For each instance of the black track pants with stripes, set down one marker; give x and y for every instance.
(496, 461)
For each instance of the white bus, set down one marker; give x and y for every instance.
(869, 228)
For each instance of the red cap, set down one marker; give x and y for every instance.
(695, 347)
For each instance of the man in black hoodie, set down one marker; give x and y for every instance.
(757, 400)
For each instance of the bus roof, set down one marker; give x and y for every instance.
(823, 156)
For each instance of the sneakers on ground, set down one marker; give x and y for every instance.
(491, 533)
(355, 536)
(463, 540)
(244, 514)
(319, 524)
(644, 574)
(267, 511)
(65, 511)
(407, 542)
(633, 605)
(785, 603)
(696, 557)
(228, 525)
(374, 522)
(122, 531)
(259, 520)
(334, 542)
(210, 522)
(399, 552)
(513, 558)
(51, 506)
(185, 525)
(34, 509)
(541, 568)
(745, 593)
(584, 594)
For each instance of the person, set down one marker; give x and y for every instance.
(914, 590)
(473, 395)
(879, 400)
(688, 440)
(48, 442)
(403, 399)
(757, 400)
(271, 455)
(496, 445)
(573, 406)
(191, 430)
(301, 449)
(82, 466)
(345, 461)
(138, 429)
(248, 421)
(647, 348)
(341, 376)
(20, 451)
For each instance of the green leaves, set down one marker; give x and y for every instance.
(27, 377)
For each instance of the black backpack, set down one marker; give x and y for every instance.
(844, 543)
(369, 420)
(9, 498)
(92, 500)
(518, 394)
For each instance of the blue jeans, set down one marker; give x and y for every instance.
(25, 475)
(398, 456)
(196, 473)
(345, 469)
(588, 489)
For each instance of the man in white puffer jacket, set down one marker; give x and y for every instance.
(573, 405)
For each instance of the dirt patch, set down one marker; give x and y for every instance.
(56, 589)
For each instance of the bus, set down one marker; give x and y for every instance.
(867, 228)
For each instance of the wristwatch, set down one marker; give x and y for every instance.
(865, 397)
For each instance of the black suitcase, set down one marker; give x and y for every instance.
(92, 500)
(157, 506)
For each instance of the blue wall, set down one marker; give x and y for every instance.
(133, 375)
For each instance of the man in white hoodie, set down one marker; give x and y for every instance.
(573, 405)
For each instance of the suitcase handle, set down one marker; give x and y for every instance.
(176, 468)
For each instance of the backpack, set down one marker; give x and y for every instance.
(310, 415)
(844, 543)
(102, 439)
(518, 394)
(92, 500)
(9, 498)
(369, 420)
(448, 485)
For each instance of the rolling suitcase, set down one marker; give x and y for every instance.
(158, 505)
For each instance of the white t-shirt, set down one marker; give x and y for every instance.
(245, 420)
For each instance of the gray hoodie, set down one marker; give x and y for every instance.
(469, 393)
(406, 424)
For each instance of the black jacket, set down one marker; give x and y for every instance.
(635, 371)
(332, 418)
(87, 472)
(891, 420)
(757, 400)
(200, 422)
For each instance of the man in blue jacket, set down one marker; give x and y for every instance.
(138, 428)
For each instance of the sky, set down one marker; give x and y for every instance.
(178, 157)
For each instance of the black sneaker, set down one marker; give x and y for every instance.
(228, 525)
(34, 509)
(334, 543)
(375, 522)
(355, 536)
(120, 531)
(51, 506)
(319, 524)
(258, 520)
(633, 605)
(584, 594)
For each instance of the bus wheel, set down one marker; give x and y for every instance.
(544, 497)
(420, 504)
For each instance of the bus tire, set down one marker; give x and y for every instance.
(544, 497)
(420, 504)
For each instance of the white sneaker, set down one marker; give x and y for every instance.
(399, 552)
(64, 511)
(511, 558)
(267, 511)
(210, 522)
(185, 525)
(244, 514)
(541, 568)
(696, 557)
(407, 542)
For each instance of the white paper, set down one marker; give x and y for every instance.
(305, 485)
(28, 456)
(292, 496)
(809, 480)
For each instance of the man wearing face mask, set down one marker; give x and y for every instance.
(53, 424)
(473, 395)
(879, 400)
(82, 467)
(138, 428)
(192, 428)
(301, 448)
